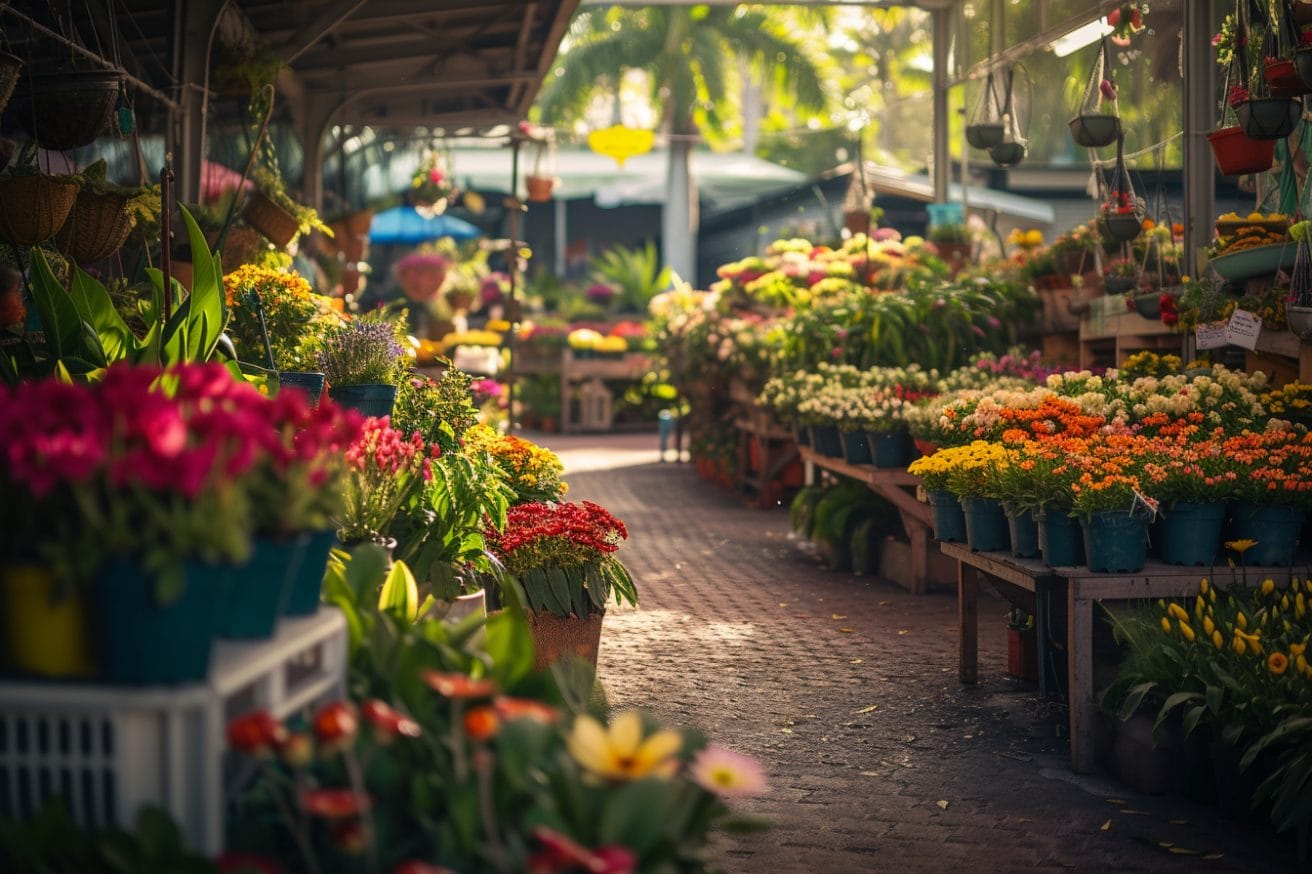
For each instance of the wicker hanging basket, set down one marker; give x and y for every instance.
(241, 246)
(270, 219)
(69, 109)
(10, 67)
(34, 208)
(96, 228)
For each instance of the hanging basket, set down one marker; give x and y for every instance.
(69, 109)
(1283, 79)
(1299, 320)
(1303, 66)
(1268, 118)
(1117, 284)
(985, 135)
(1122, 227)
(96, 227)
(539, 188)
(275, 223)
(34, 208)
(1095, 131)
(1148, 304)
(242, 246)
(1008, 154)
(1237, 153)
(10, 67)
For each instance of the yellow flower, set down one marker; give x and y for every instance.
(1240, 546)
(1300, 605)
(1277, 663)
(1297, 649)
(1166, 625)
(1187, 630)
(1301, 662)
(1284, 602)
(1268, 586)
(1178, 612)
(1241, 620)
(1208, 625)
(1203, 586)
(1200, 606)
(1217, 640)
(621, 752)
(1238, 645)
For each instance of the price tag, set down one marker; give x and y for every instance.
(1243, 329)
(1210, 336)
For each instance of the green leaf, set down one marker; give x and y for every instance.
(366, 567)
(558, 585)
(66, 332)
(1191, 717)
(1214, 697)
(97, 309)
(635, 816)
(400, 594)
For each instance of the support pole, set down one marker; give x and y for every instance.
(512, 228)
(942, 151)
(1199, 88)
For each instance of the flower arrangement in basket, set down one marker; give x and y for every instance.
(1120, 217)
(362, 351)
(432, 188)
(1260, 116)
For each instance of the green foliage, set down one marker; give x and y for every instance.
(51, 843)
(440, 410)
(85, 332)
(637, 274)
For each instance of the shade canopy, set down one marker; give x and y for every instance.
(404, 224)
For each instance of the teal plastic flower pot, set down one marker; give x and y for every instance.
(986, 524)
(371, 399)
(1275, 528)
(827, 441)
(856, 450)
(1061, 541)
(258, 592)
(1190, 534)
(144, 642)
(309, 382)
(306, 575)
(1024, 533)
(802, 436)
(1115, 542)
(949, 520)
(890, 449)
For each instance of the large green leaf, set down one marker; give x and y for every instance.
(400, 593)
(65, 330)
(97, 309)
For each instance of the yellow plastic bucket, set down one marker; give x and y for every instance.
(44, 634)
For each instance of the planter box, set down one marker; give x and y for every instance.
(1023, 654)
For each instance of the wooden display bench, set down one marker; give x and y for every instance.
(1080, 587)
(594, 408)
(1109, 333)
(765, 450)
(900, 489)
(1281, 356)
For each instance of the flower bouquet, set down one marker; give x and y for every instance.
(432, 187)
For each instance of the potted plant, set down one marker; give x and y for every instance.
(985, 128)
(34, 205)
(421, 275)
(68, 108)
(100, 220)
(274, 213)
(1120, 275)
(432, 187)
(362, 362)
(1298, 305)
(563, 555)
(953, 242)
(540, 182)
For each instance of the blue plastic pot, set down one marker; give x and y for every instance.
(1190, 534)
(949, 520)
(855, 448)
(890, 449)
(1275, 528)
(827, 441)
(371, 399)
(257, 595)
(144, 642)
(307, 572)
(986, 524)
(1115, 542)
(802, 436)
(1061, 541)
(309, 382)
(1024, 533)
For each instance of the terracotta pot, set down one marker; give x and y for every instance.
(1283, 78)
(275, 223)
(1237, 154)
(857, 221)
(539, 188)
(358, 223)
(556, 637)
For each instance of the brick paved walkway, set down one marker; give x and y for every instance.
(846, 688)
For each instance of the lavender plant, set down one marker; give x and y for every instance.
(362, 351)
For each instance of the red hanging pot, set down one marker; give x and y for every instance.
(1283, 79)
(1236, 153)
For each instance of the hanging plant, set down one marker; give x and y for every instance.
(1098, 123)
(1262, 115)
(984, 129)
(1121, 214)
(432, 188)
(1012, 149)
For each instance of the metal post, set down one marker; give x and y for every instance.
(942, 152)
(512, 228)
(1199, 88)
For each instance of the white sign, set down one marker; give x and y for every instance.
(1210, 336)
(1243, 329)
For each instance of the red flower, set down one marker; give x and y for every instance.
(349, 836)
(387, 722)
(255, 733)
(560, 854)
(333, 803)
(335, 724)
(525, 708)
(481, 723)
(453, 685)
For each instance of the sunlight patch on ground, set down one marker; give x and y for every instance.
(626, 624)
(582, 453)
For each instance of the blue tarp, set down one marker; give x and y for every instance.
(403, 224)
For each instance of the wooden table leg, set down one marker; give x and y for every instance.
(1042, 613)
(968, 613)
(918, 534)
(1079, 690)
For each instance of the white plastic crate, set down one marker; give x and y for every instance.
(108, 750)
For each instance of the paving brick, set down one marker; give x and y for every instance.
(743, 636)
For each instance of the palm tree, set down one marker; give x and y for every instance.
(689, 56)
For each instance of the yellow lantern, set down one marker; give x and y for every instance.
(620, 142)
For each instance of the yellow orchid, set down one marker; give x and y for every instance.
(621, 752)
(1240, 546)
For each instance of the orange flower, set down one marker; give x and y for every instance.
(481, 723)
(453, 685)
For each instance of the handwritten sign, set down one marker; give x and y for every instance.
(1243, 329)
(1210, 336)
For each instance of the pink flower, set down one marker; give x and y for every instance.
(725, 772)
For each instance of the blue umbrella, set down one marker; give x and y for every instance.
(403, 224)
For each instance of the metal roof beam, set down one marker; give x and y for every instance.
(317, 28)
